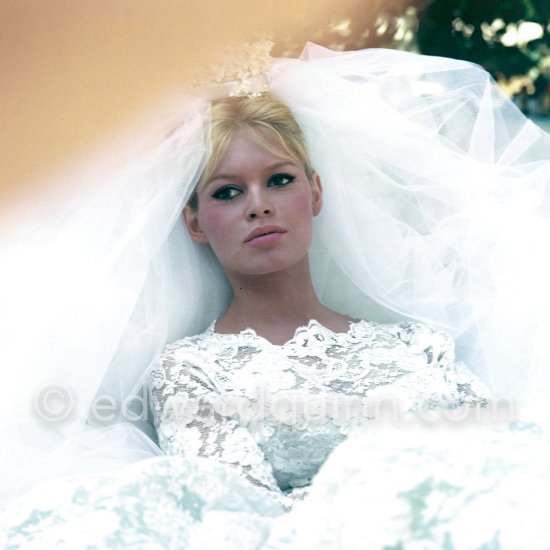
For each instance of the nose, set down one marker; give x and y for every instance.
(253, 214)
(259, 205)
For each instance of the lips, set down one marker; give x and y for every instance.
(264, 230)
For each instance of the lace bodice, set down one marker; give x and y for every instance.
(275, 412)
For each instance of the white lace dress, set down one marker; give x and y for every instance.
(276, 412)
(273, 446)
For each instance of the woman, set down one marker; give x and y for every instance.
(238, 141)
(254, 205)
(423, 165)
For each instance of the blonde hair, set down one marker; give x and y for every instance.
(268, 121)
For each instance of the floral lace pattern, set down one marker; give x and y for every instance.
(464, 486)
(235, 409)
(405, 488)
(159, 503)
(276, 412)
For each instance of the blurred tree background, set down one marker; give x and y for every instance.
(368, 24)
(509, 38)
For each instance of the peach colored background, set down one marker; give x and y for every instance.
(74, 71)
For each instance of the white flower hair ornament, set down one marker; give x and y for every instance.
(238, 71)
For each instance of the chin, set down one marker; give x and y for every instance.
(271, 266)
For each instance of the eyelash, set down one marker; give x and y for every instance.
(225, 193)
(222, 193)
(288, 177)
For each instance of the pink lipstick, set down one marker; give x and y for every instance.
(266, 235)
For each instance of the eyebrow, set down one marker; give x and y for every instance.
(269, 168)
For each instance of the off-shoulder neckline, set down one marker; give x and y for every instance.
(313, 329)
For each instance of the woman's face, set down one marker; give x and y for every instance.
(257, 209)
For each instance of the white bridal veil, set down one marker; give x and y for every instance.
(436, 208)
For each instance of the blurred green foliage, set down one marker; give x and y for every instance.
(487, 32)
(482, 31)
(354, 26)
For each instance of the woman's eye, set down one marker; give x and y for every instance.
(280, 180)
(226, 193)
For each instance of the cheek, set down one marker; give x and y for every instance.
(216, 223)
(301, 205)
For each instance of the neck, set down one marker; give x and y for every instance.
(284, 299)
(275, 297)
(275, 304)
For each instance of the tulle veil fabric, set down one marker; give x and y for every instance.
(436, 209)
